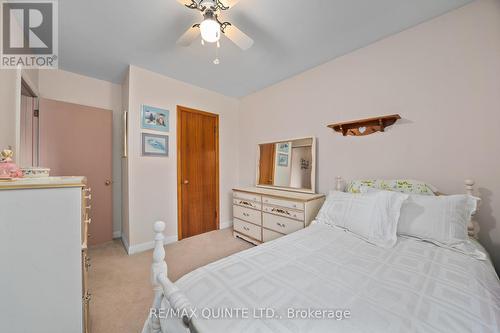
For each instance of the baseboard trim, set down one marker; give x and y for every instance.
(225, 225)
(148, 245)
(124, 243)
(117, 234)
(134, 249)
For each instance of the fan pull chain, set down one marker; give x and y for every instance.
(217, 60)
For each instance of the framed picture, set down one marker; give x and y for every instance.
(155, 119)
(284, 147)
(154, 145)
(283, 160)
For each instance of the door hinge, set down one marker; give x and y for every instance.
(36, 113)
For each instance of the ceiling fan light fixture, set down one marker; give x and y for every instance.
(210, 30)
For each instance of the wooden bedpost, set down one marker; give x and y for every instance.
(473, 226)
(158, 268)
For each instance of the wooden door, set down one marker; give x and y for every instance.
(76, 140)
(266, 164)
(197, 171)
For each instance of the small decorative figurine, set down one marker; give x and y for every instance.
(8, 169)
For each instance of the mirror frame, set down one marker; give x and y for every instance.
(284, 188)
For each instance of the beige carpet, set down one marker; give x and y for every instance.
(120, 284)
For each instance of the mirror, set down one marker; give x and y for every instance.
(288, 164)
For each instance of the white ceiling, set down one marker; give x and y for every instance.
(99, 38)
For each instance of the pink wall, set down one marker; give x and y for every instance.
(442, 76)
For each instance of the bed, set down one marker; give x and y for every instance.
(325, 279)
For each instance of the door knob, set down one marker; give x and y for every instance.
(107, 182)
(186, 181)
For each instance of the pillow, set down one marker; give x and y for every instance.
(399, 185)
(441, 220)
(372, 216)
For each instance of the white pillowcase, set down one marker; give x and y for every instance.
(442, 220)
(372, 216)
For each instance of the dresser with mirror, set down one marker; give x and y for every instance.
(284, 199)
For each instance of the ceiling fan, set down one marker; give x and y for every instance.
(211, 28)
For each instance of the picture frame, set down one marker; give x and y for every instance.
(283, 160)
(155, 119)
(284, 147)
(154, 145)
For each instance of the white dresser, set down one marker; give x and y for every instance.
(43, 251)
(261, 215)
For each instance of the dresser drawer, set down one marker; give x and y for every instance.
(283, 203)
(269, 235)
(247, 214)
(247, 196)
(86, 296)
(247, 229)
(247, 203)
(281, 224)
(285, 212)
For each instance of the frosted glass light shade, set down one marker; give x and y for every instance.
(210, 30)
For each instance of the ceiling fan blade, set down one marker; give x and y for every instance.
(238, 37)
(228, 3)
(189, 36)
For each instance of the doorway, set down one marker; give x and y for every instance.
(197, 172)
(28, 143)
(76, 140)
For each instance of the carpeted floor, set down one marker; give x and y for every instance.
(120, 284)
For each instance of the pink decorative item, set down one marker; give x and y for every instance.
(8, 169)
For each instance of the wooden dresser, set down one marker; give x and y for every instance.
(43, 250)
(261, 215)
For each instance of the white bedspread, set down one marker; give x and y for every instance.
(413, 287)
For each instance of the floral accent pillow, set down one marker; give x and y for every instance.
(408, 186)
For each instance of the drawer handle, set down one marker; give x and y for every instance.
(88, 207)
(87, 298)
(246, 228)
(280, 211)
(88, 197)
(87, 263)
(245, 203)
(88, 221)
(87, 190)
(282, 225)
(246, 214)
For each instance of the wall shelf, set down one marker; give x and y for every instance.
(365, 126)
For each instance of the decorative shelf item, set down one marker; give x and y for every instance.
(365, 126)
(8, 169)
